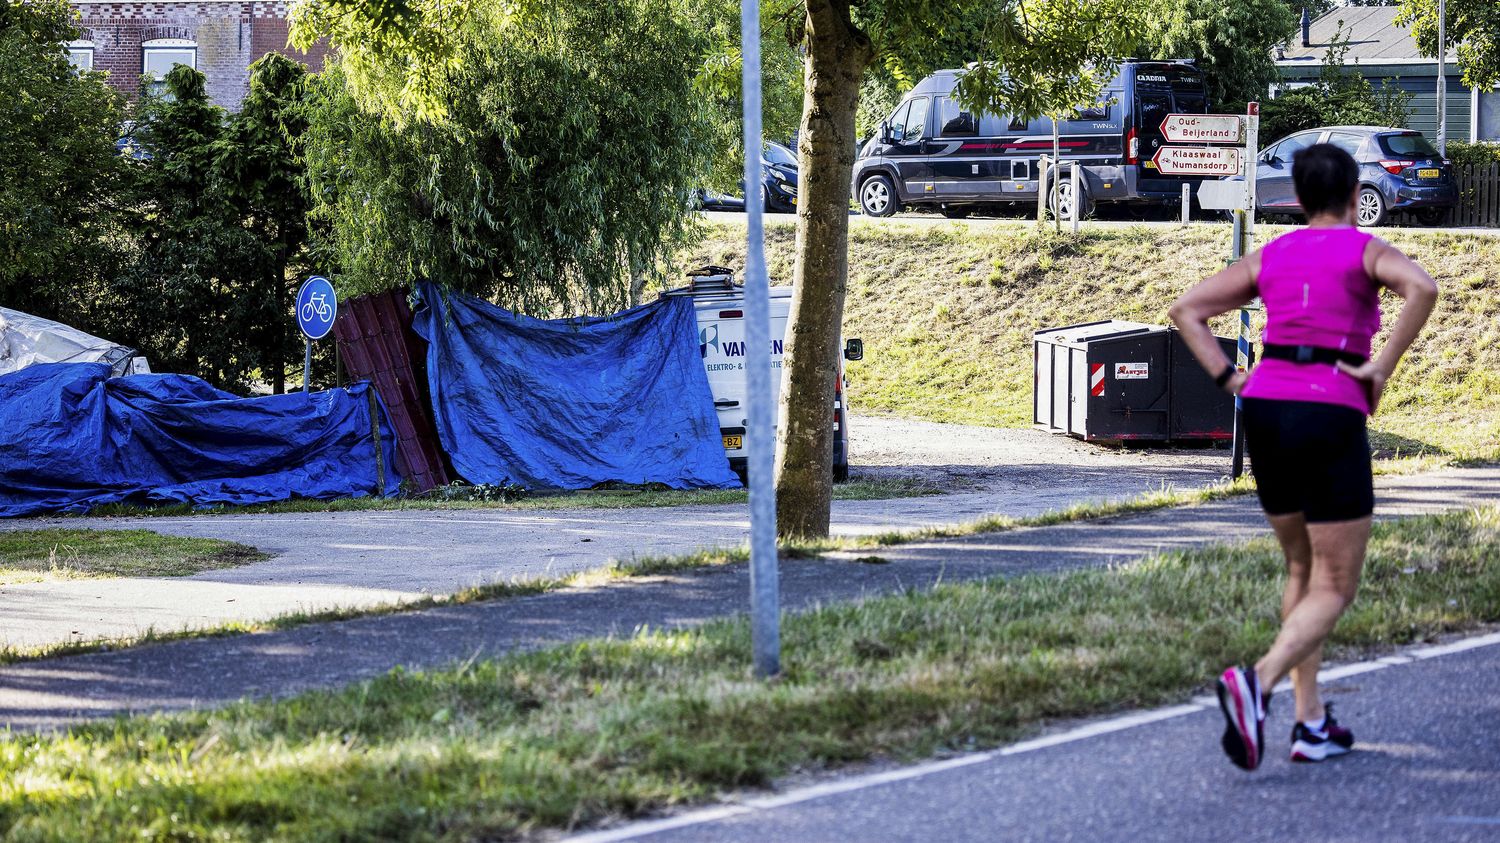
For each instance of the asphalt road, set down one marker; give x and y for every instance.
(1426, 768)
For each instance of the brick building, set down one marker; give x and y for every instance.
(221, 38)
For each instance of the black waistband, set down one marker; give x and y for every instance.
(1310, 354)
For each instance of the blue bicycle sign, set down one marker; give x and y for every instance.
(317, 306)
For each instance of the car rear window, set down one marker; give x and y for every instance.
(778, 154)
(1407, 144)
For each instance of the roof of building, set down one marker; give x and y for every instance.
(1374, 38)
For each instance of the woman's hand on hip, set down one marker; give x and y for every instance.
(1371, 375)
(1236, 383)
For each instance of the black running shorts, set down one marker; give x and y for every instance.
(1311, 458)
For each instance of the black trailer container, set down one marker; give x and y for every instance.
(1126, 381)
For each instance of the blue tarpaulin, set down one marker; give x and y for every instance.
(572, 403)
(72, 437)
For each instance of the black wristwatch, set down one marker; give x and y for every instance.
(1225, 375)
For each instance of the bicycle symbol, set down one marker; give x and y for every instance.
(318, 307)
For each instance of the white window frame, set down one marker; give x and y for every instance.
(1279, 88)
(178, 46)
(81, 49)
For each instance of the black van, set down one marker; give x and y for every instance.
(931, 153)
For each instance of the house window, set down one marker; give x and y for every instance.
(160, 55)
(81, 54)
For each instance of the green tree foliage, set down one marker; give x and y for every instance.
(181, 298)
(571, 135)
(1473, 25)
(1340, 97)
(219, 221)
(58, 166)
(717, 84)
(258, 163)
(1232, 40)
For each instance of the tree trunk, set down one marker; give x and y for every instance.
(837, 54)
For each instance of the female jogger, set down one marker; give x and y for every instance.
(1305, 407)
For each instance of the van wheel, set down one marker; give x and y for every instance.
(877, 196)
(1060, 203)
(1371, 209)
(841, 473)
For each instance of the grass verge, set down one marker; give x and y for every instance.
(855, 490)
(947, 313)
(34, 555)
(621, 727)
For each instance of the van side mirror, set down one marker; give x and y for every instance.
(854, 349)
(885, 132)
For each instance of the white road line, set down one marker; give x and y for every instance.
(1198, 704)
(1456, 646)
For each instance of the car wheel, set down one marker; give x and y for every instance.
(841, 473)
(1431, 216)
(1371, 209)
(953, 213)
(877, 196)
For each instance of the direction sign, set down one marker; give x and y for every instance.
(1197, 160)
(1202, 128)
(317, 305)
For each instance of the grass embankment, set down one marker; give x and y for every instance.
(947, 315)
(579, 733)
(855, 490)
(34, 555)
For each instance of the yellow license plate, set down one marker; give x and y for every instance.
(734, 443)
(1428, 174)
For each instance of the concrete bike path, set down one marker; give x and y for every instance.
(363, 559)
(212, 671)
(1425, 767)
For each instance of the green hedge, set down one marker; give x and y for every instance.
(1464, 155)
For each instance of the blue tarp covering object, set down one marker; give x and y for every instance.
(72, 437)
(572, 403)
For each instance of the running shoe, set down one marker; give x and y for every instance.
(1316, 745)
(1244, 715)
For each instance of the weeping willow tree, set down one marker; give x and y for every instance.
(546, 167)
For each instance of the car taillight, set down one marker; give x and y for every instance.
(1395, 167)
(1132, 147)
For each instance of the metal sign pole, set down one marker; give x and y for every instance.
(1075, 188)
(1442, 78)
(1244, 241)
(1043, 172)
(307, 365)
(1057, 177)
(765, 597)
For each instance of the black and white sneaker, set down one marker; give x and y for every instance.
(1244, 715)
(1317, 744)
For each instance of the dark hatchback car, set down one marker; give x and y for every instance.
(778, 189)
(1399, 173)
(778, 167)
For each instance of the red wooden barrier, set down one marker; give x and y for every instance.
(377, 344)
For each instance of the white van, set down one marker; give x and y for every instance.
(720, 304)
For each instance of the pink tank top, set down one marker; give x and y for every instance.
(1316, 292)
